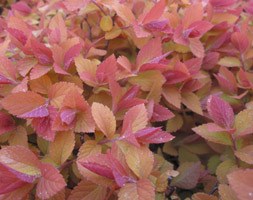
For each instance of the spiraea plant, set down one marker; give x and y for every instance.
(126, 99)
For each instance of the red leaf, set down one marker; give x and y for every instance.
(153, 135)
(50, 183)
(220, 111)
(6, 123)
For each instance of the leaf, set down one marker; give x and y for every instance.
(155, 13)
(6, 123)
(59, 90)
(241, 181)
(203, 196)
(189, 174)
(62, 146)
(172, 95)
(50, 183)
(18, 194)
(226, 192)
(220, 111)
(86, 190)
(23, 163)
(149, 51)
(245, 154)
(8, 181)
(104, 119)
(106, 23)
(153, 135)
(7, 71)
(160, 113)
(240, 41)
(135, 119)
(229, 62)
(19, 137)
(142, 190)
(139, 160)
(197, 47)
(191, 101)
(224, 169)
(243, 122)
(174, 124)
(90, 147)
(208, 132)
(107, 69)
(30, 105)
(43, 125)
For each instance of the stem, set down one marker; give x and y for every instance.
(234, 147)
(214, 188)
(100, 8)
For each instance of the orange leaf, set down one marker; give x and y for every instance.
(241, 181)
(50, 183)
(87, 190)
(104, 119)
(24, 164)
(135, 119)
(139, 160)
(62, 146)
(30, 104)
(142, 190)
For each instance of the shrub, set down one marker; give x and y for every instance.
(144, 100)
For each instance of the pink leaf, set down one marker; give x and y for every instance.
(161, 113)
(220, 112)
(107, 69)
(50, 183)
(153, 135)
(68, 115)
(149, 51)
(240, 41)
(98, 164)
(155, 13)
(8, 181)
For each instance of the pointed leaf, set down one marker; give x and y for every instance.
(220, 111)
(140, 160)
(104, 119)
(245, 154)
(142, 190)
(243, 121)
(21, 161)
(87, 190)
(241, 181)
(135, 119)
(213, 133)
(62, 146)
(191, 101)
(30, 105)
(50, 183)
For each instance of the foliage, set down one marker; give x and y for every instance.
(139, 99)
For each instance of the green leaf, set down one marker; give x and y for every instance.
(220, 137)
